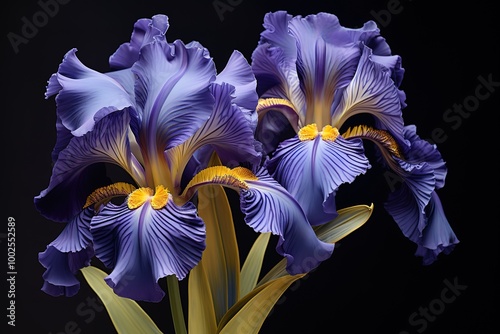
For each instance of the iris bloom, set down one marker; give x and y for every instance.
(316, 78)
(158, 116)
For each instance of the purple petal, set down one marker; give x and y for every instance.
(430, 229)
(83, 94)
(227, 131)
(421, 150)
(238, 73)
(312, 171)
(79, 171)
(268, 207)
(144, 245)
(404, 208)
(63, 138)
(438, 236)
(371, 91)
(324, 65)
(68, 253)
(145, 31)
(172, 92)
(274, 61)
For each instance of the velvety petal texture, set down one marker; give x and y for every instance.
(68, 253)
(145, 31)
(371, 91)
(313, 170)
(268, 207)
(172, 92)
(226, 132)
(79, 166)
(145, 244)
(238, 73)
(163, 107)
(84, 95)
(335, 76)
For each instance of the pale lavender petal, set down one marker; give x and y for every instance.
(85, 95)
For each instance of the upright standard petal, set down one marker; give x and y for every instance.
(226, 131)
(274, 61)
(371, 91)
(68, 253)
(145, 31)
(143, 244)
(313, 169)
(84, 95)
(322, 66)
(172, 93)
(238, 73)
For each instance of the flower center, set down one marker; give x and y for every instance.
(139, 196)
(310, 132)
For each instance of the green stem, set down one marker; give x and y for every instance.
(176, 305)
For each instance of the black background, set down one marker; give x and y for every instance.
(373, 283)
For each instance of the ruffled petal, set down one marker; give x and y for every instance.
(238, 73)
(421, 150)
(371, 91)
(79, 170)
(429, 229)
(312, 171)
(68, 253)
(268, 207)
(274, 61)
(143, 245)
(126, 79)
(438, 236)
(63, 137)
(325, 64)
(84, 95)
(227, 131)
(406, 212)
(172, 92)
(145, 31)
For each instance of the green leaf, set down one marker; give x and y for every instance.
(127, 316)
(201, 313)
(253, 264)
(250, 312)
(348, 220)
(221, 257)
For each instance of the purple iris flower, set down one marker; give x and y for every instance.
(316, 78)
(157, 115)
